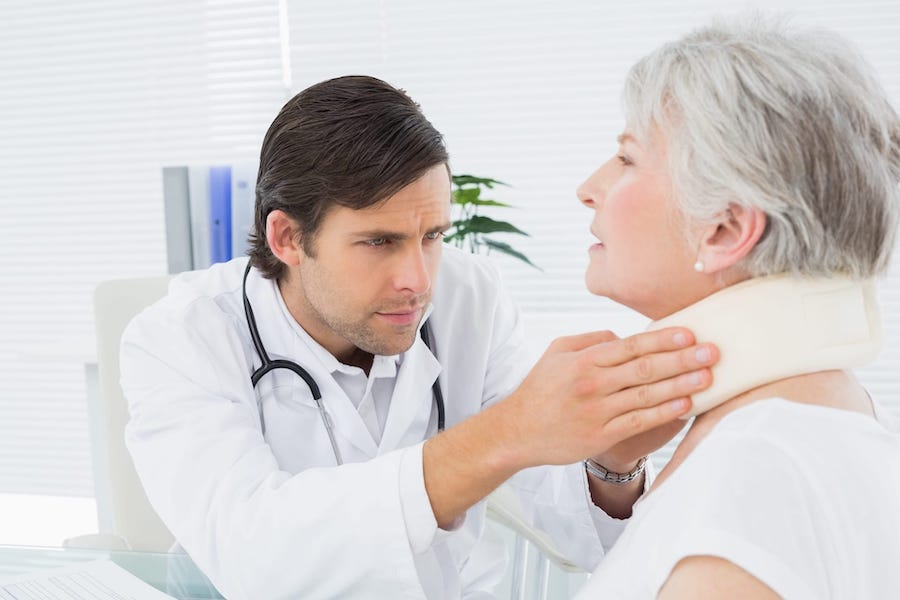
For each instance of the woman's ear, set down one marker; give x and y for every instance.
(731, 238)
(283, 239)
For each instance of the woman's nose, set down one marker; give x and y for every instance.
(593, 190)
(590, 191)
(585, 196)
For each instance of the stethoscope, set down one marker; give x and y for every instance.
(269, 365)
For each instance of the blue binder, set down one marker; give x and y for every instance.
(219, 214)
(243, 198)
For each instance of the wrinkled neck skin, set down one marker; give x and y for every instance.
(783, 336)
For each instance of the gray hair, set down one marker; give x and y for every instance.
(792, 123)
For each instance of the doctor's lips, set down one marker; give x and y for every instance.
(403, 316)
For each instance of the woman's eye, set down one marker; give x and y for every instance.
(624, 160)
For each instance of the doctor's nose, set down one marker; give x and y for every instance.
(412, 272)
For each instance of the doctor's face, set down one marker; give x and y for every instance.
(642, 258)
(370, 277)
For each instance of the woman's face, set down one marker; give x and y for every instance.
(642, 259)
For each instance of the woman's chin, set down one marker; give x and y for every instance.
(645, 307)
(596, 288)
(627, 301)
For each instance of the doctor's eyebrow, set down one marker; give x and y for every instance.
(374, 234)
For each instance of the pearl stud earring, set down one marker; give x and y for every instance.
(699, 266)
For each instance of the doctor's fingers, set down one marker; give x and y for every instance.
(619, 351)
(574, 343)
(650, 368)
(633, 423)
(637, 409)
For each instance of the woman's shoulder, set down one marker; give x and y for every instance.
(774, 457)
(798, 426)
(786, 438)
(765, 469)
(771, 490)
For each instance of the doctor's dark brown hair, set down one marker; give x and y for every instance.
(351, 141)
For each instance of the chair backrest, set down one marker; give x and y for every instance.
(115, 303)
(503, 507)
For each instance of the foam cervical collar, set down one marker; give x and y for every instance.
(769, 328)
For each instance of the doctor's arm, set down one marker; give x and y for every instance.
(255, 529)
(589, 395)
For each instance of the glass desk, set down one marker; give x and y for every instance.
(530, 576)
(174, 574)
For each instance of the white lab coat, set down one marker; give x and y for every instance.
(271, 516)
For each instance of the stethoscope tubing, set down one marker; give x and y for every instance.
(269, 365)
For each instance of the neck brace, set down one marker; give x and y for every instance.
(769, 328)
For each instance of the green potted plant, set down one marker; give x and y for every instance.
(473, 231)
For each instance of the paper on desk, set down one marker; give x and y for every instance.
(95, 580)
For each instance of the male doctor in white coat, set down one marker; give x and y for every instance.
(276, 497)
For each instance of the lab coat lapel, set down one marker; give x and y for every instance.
(348, 425)
(282, 341)
(412, 403)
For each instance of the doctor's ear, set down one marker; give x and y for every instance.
(731, 238)
(283, 238)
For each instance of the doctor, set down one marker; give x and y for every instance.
(277, 494)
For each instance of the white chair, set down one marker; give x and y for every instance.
(537, 570)
(133, 522)
(503, 507)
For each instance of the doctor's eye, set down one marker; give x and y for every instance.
(377, 242)
(434, 235)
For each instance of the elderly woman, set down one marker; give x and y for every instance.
(754, 197)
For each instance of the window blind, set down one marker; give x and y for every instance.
(528, 93)
(97, 97)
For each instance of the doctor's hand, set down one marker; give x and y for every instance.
(623, 457)
(586, 396)
(609, 398)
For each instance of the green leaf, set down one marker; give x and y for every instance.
(459, 198)
(470, 228)
(481, 224)
(473, 196)
(507, 249)
(466, 196)
(490, 203)
(461, 180)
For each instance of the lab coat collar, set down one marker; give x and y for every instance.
(321, 364)
(412, 404)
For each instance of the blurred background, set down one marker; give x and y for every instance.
(97, 96)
